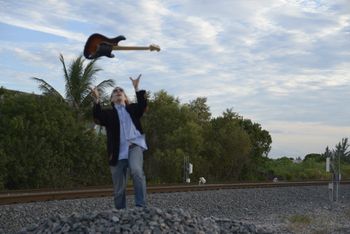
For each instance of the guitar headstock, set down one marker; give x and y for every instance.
(154, 47)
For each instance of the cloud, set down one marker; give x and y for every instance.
(33, 15)
(273, 61)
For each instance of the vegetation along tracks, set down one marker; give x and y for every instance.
(24, 196)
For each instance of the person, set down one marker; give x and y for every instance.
(125, 141)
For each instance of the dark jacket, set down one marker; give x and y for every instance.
(110, 120)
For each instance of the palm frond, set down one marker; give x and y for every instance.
(46, 88)
(101, 87)
(105, 84)
(66, 77)
(90, 70)
(74, 87)
(88, 77)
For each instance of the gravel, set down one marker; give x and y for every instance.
(272, 210)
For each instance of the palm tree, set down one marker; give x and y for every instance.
(79, 80)
(342, 149)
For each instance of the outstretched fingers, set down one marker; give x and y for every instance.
(135, 82)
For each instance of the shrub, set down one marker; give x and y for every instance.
(43, 145)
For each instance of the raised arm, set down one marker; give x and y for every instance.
(135, 82)
(140, 95)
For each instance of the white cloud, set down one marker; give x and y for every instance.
(43, 17)
(274, 61)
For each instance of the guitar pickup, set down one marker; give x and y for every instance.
(103, 49)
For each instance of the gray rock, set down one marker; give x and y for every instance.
(227, 211)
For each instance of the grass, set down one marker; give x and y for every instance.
(303, 224)
(298, 223)
(300, 219)
(347, 213)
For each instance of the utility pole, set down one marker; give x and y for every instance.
(334, 167)
(186, 175)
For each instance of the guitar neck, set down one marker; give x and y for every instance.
(131, 48)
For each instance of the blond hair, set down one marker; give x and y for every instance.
(126, 97)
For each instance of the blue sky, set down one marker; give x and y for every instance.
(281, 63)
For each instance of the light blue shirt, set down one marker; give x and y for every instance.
(128, 133)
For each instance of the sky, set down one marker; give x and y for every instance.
(284, 64)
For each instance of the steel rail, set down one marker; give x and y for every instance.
(24, 196)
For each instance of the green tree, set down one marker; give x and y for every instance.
(227, 148)
(327, 153)
(79, 79)
(260, 138)
(316, 157)
(260, 146)
(190, 140)
(3, 169)
(173, 132)
(200, 108)
(42, 145)
(162, 118)
(341, 149)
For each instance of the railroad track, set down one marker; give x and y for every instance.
(25, 196)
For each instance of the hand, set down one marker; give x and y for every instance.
(95, 94)
(135, 82)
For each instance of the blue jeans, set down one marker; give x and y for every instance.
(119, 177)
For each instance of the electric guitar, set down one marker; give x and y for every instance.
(98, 45)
